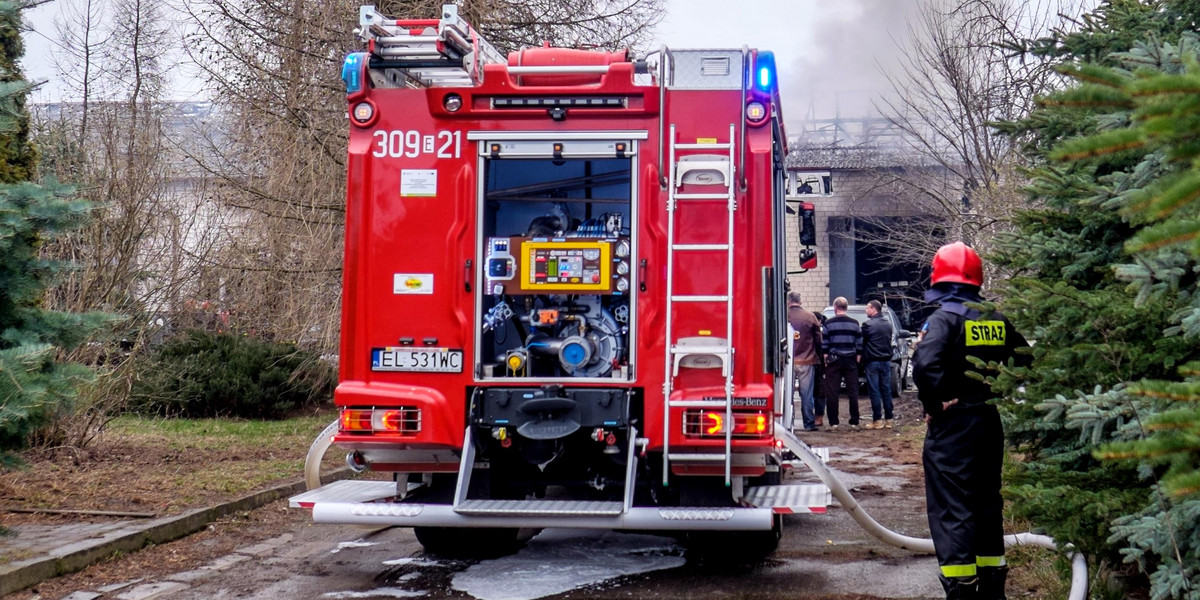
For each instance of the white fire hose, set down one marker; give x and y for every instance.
(1079, 572)
(316, 452)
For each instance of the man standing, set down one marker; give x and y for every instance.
(964, 444)
(806, 348)
(843, 345)
(877, 353)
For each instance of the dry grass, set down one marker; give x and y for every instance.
(161, 466)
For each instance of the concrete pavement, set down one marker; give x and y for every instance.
(34, 553)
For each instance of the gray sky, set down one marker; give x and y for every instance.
(825, 50)
(828, 53)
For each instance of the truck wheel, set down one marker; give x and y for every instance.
(735, 546)
(467, 543)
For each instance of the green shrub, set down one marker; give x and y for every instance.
(204, 374)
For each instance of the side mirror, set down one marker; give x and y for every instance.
(808, 224)
(808, 259)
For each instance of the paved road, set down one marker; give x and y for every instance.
(821, 556)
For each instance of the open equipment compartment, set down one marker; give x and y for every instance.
(556, 260)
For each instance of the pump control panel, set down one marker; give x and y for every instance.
(524, 266)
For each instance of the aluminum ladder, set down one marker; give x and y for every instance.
(700, 352)
(444, 52)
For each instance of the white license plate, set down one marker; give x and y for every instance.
(422, 360)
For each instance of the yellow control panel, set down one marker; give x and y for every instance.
(566, 266)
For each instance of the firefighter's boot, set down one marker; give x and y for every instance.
(961, 588)
(991, 582)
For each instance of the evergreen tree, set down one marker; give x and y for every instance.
(17, 155)
(1163, 429)
(1118, 151)
(33, 385)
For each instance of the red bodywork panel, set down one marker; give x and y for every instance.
(412, 249)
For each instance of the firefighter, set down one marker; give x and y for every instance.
(964, 444)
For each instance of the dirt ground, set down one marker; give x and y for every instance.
(116, 476)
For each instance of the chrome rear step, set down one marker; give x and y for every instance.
(790, 499)
(547, 508)
(345, 491)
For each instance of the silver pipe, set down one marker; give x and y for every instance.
(741, 166)
(638, 518)
(664, 56)
(356, 461)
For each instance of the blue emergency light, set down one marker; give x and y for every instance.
(352, 71)
(764, 71)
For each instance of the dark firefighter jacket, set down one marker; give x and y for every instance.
(940, 362)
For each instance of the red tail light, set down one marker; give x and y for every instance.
(356, 420)
(712, 423)
(403, 419)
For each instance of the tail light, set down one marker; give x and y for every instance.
(401, 419)
(714, 423)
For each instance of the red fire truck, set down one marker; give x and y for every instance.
(564, 290)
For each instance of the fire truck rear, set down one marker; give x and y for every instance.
(563, 290)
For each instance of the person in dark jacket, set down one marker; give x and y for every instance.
(877, 354)
(964, 444)
(806, 352)
(843, 347)
(819, 378)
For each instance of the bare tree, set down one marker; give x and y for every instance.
(278, 154)
(135, 257)
(959, 77)
(76, 63)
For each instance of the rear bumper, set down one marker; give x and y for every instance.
(365, 503)
(645, 519)
(373, 503)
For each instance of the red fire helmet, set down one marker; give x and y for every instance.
(957, 263)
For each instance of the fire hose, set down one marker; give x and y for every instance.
(316, 452)
(1079, 571)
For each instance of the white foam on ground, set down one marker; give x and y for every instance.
(377, 593)
(416, 562)
(343, 545)
(560, 560)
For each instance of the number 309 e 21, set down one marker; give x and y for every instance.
(411, 144)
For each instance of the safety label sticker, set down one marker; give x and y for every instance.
(412, 283)
(418, 183)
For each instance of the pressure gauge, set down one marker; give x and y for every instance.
(622, 249)
(622, 285)
(622, 268)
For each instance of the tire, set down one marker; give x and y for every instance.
(467, 543)
(737, 547)
(897, 381)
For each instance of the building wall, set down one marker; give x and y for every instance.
(855, 194)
